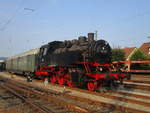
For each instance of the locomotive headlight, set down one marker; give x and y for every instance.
(103, 50)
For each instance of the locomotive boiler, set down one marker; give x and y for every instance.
(68, 52)
(77, 63)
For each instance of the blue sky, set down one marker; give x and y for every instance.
(124, 23)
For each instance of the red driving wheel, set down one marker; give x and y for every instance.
(61, 80)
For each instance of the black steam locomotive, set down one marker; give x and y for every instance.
(77, 63)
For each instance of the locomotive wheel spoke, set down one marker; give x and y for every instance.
(70, 84)
(53, 79)
(91, 86)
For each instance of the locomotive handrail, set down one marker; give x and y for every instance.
(93, 64)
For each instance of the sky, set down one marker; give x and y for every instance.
(28, 24)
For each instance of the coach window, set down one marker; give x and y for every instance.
(45, 51)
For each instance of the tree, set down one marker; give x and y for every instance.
(118, 55)
(139, 56)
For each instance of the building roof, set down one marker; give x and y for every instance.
(145, 48)
(1, 61)
(129, 51)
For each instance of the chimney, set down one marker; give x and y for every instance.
(90, 37)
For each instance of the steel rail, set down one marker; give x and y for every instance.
(135, 86)
(30, 91)
(111, 97)
(102, 103)
(138, 81)
(28, 101)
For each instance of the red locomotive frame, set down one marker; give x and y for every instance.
(94, 80)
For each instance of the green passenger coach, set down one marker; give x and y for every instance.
(24, 63)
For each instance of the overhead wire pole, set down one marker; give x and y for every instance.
(96, 34)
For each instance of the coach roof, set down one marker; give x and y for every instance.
(30, 52)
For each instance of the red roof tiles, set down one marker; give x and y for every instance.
(145, 48)
(128, 51)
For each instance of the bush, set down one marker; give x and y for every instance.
(118, 55)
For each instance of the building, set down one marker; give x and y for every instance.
(145, 48)
(129, 52)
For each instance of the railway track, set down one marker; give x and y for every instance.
(40, 101)
(120, 100)
(138, 81)
(141, 76)
(141, 82)
(9, 103)
(133, 85)
(28, 101)
(137, 77)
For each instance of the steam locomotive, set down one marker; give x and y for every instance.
(82, 63)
